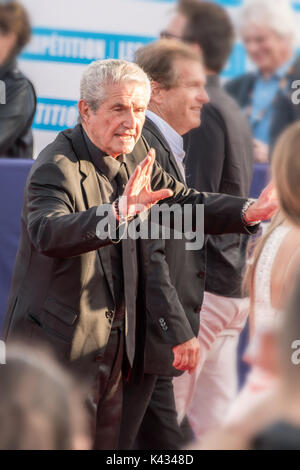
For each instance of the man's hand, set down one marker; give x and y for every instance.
(187, 355)
(265, 207)
(261, 151)
(138, 196)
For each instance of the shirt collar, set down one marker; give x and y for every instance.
(106, 164)
(174, 140)
(282, 71)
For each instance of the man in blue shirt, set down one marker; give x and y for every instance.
(268, 30)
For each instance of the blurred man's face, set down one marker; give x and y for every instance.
(175, 28)
(7, 45)
(267, 49)
(181, 105)
(117, 124)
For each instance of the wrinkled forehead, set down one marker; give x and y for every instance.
(131, 92)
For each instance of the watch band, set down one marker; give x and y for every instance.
(246, 206)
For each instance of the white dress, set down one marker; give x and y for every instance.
(259, 384)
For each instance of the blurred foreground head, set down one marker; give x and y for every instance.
(41, 407)
(289, 343)
(15, 29)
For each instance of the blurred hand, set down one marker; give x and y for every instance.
(261, 151)
(137, 196)
(187, 355)
(265, 206)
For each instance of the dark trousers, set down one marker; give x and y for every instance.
(108, 392)
(149, 419)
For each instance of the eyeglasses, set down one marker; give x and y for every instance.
(167, 35)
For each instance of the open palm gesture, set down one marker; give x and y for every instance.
(138, 196)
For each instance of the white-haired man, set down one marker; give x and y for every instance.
(77, 283)
(268, 30)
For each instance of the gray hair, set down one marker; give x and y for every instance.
(278, 15)
(102, 73)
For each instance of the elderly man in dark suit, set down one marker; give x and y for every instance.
(78, 281)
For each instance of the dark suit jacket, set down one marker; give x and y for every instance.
(219, 158)
(17, 114)
(175, 277)
(62, 287)
(285, 111)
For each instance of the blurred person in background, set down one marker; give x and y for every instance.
(273, 267)
(18, 99)
(271, 277)
(282, 431)
(268, 30)
(41, 406)
(219, 157)
(274, 424)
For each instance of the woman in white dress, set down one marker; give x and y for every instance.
(270, 277)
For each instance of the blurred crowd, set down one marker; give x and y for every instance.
(250, 119)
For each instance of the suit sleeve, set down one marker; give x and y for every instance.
(55, 229)
(222, 213)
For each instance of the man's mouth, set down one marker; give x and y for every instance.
(125, 136)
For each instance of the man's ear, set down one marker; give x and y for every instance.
(84, 110)
(157, 93)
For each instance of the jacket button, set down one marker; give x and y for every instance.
(198, 310)
(201, 275)
(109, 315)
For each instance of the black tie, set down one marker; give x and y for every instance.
(121, 178)
(130, 274)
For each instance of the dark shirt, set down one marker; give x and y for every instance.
(219, 159)
(110, 191)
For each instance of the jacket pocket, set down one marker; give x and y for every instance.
(57, 319)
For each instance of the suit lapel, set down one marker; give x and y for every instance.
(154, 129)
(91, 194)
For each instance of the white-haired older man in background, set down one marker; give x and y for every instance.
(269, 33)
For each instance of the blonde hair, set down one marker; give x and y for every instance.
(286, 177)
(286, 172)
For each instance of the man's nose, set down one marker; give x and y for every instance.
(203, 96)
(129, 120)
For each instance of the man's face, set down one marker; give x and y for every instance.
(267, 49)
(175, 27)
(117, 124)
(7, 45)
(181, 105)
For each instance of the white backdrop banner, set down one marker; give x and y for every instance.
(69, 34)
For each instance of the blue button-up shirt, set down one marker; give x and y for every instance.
(264, 94)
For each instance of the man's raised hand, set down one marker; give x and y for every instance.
(138, 196)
